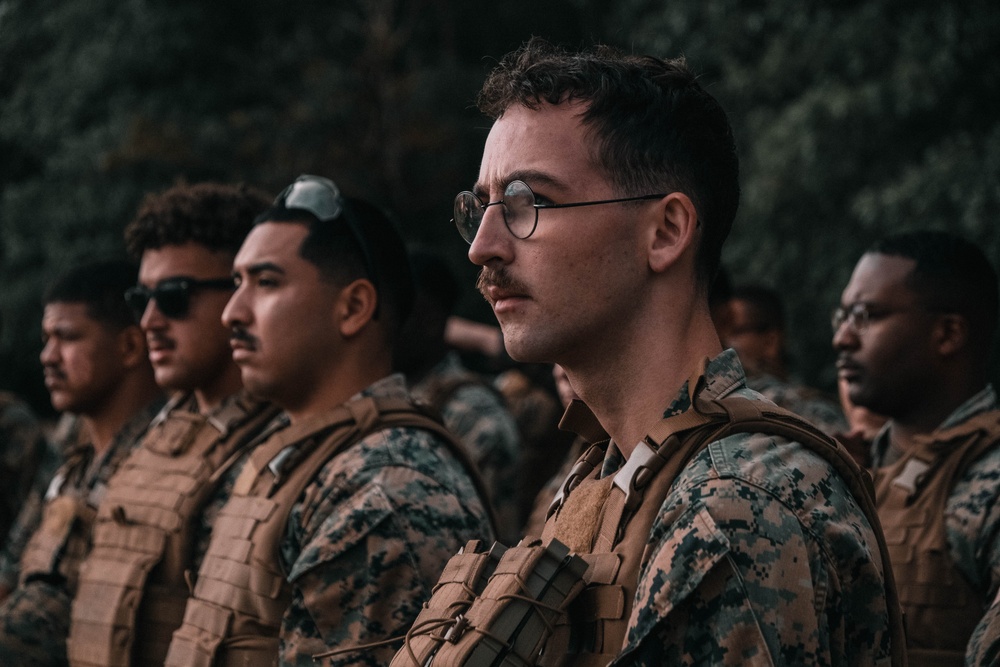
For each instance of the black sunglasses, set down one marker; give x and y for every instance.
(172, 296)
(321, 197)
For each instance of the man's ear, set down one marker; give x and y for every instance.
(132, 346)
(951, 333)
(675, 231)
(355, 307)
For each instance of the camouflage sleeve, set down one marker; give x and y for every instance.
(736, 578)
(488, 431)
(374, 537)
(28, 518)
(972, 522)
(984, 646)
(21, 448)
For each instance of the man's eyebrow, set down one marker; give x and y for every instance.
(260, 267)
(532, 177)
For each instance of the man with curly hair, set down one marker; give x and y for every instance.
(154, 524)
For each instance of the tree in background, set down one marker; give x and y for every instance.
(103, 101)
(855, 120)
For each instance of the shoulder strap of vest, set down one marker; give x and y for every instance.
(358, 419)
(709, 420)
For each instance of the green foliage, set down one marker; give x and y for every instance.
(855, 120)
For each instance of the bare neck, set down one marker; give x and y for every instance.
(630, 381)
(132, 395)
(926, 416)
(354, 372)
(210, 396)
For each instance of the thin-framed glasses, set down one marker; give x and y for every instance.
(321, 197)
(519, 207)
(859, 316)
(173, 295)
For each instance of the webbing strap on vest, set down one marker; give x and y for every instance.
(942, 606)
(675, 439)
(240, 586)
(133, 588)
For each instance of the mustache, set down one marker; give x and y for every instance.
(239, 333)
(499, 278)
(53, 371)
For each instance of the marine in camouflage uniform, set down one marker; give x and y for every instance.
(340, 520)
(34, 620)
(22, 448)
(808, 403)
(760, 553)
(29, 462)
(476, 414)
(913, 326)
(984, 646)
(971, 525)
(366, 541)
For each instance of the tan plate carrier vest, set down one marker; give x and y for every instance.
(133, 586)
(566, 599)
(57, 548)
(941, 607)
(234, 616)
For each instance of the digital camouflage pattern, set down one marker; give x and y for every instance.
(760, 555)
(22, 448)
(369, 538)
(984, 646)
(478, 417)
(34, 619)
(972, 513)
(806, 402)
(29, 511)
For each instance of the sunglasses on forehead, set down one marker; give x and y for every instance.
(172, 296)
(321, 197)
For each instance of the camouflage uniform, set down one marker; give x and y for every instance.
(34, 620)
(984, 646)
(29, 513)
(368, 538)
(808, 403)
(21, 450)
(476, 414)
(759, 554)
(971, 511)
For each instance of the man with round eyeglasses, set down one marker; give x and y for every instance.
(704, 526)
(913, 330)
(153, 526)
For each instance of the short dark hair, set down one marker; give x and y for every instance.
(101, 287)
(766, 309)
(215, 215)
(335, 250)
(951, 275)
(656, 126)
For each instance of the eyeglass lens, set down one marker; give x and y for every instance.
(856, 317)
(517, 207)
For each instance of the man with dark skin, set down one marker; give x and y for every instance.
(913, 332)
(95, 365)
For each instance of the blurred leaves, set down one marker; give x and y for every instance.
(854, 119)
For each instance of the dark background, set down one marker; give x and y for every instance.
(854, 120)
